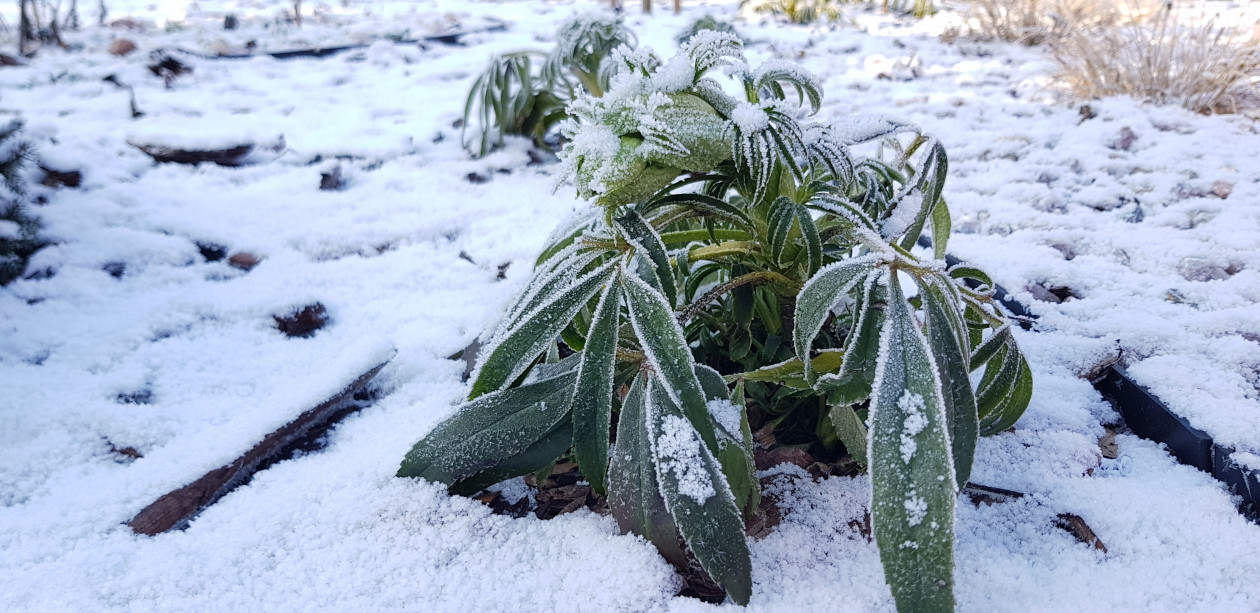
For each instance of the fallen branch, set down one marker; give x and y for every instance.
(175, 509)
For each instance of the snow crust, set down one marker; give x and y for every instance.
(1030, 184)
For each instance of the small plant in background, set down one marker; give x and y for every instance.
(708, 22)
(732, 244)
(796, 11)
(919, 8)
(18, 231)
(809, 11)
(525, 93)
(1173, 59)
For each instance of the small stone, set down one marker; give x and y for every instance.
(1066, 250)
(115, 269)
(60, 178)
(121, 47)
(230, 22)
(304, 322)
(212, 252)
(1041, 293)
(331, 181)
(1200, 269)
(1125, 140)
(243, 260)
(1222, 189)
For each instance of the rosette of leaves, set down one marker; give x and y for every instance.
(731, 244)
(525, 93)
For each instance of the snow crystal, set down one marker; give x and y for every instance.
(750, 118)
(727, 414)
(916, 420)
(916, 508)
(678, 451)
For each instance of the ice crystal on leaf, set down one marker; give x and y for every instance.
(726, 414)
(678, 450)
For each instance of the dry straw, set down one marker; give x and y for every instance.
(1174, 58)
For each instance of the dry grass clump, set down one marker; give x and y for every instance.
(1176, 58)
(1035, 22)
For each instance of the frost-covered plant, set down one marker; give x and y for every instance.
(18, 231)
(730, 243)
(525, 93)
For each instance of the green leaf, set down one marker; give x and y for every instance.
(990, 347)
(971, 272)
(947, 335)
(997, 383)
(645, 240)
(543, 285)
(535, 458)
(667, 353)
(634, 494)
(508, 356)
(745, 430)
(852, 432)
(861, 353)
(941, 227)
(912, 475)
(712, 382)
(779, 225)
(931, 182)
(698, 496)
(813, 243)
(494, 426)
(741, 298)
(592, 395)
(816, 298)
(1011, 406)
(705, 204)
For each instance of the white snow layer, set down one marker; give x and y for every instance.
(406, 256)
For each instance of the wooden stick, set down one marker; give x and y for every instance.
(175, 509)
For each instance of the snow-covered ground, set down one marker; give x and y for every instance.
(1149, 216)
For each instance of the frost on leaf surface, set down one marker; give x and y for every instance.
(903, 215)
(913, 407)
(726, 414)
(916, 508)
(710, 48)
(678, 452)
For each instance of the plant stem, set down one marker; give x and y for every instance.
(766, 277)
(683, 237)
(713, 252)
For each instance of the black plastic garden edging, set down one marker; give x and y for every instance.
(450, 38)
(1151, 419)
